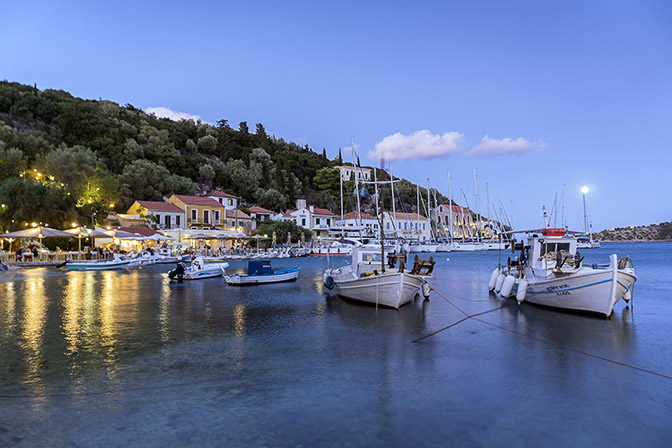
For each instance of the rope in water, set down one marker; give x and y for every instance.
(654, 279)
(535, 338)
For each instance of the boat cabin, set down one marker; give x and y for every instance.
(552, 249)
(259, 267)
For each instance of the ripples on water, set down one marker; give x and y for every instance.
(126, 358)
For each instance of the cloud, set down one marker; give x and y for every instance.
(348, 149)
(164, 112)
(506, 146)
(419, 145)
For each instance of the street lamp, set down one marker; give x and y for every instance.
(585, 190)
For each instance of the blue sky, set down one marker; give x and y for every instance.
(533, 95)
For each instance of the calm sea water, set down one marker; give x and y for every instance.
(124, 358)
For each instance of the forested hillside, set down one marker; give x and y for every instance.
(62, 159)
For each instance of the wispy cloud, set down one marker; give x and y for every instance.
(164, 112)
(492, 147)
(419, 145)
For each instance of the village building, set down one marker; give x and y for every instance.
(162, 215)
(229, 201)
(318, 220)
(202, 213)
(351, 224)
(408, 226)
(354, 172)
(238, 221)
(464, 223)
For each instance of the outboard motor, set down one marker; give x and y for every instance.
(178, 272)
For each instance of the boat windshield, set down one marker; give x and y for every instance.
(554, 247)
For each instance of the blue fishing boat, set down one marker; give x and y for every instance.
(260, 271)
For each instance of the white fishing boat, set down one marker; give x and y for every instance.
(549, 272)
(260, 272)
(367, 280)
(198, 270)
(118, 262)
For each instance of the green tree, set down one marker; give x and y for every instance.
(328, 180)
(207, 144)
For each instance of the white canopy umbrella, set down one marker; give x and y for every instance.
(83, 232)
(37, 232)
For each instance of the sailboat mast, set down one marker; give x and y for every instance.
(478, 215)
(375, 184)
(394, 210)
(450, 195)
(359, 210)
(382, 233)
(417, 194)
(429, 211)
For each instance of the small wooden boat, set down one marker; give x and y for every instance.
(260, 271)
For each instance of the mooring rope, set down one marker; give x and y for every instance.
(654, 279)
(535, 338)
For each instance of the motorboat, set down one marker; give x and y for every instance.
(260, 272)
(368, 279)
(549, 271)
(198, 270)
(118, 262)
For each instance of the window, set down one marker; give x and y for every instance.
(388, 226)
(423, 226)
(303, 222)
(215, 215)
(317, 221)
(328, 223)
(194, 214)
(166, 221)
(177, 221)
(230, 201)
(206, 216)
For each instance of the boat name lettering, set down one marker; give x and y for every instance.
(553, 288)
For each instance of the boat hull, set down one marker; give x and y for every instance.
(98, 265)
(390, 290)
(278, 276)
(207, 271)
(594, 291)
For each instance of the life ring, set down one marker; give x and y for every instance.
(329, 282)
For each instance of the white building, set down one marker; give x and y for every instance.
(319, 220)
(230, 202)
(348, 171)
(350, 222)
(407, 226)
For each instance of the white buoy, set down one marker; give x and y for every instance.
(627, 296)
(426, 290)
(499, 282)
(522, 289)
(493, 279)
(507, 286)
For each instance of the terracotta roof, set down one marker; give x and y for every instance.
(353, 215)
(257, 209)
(160, 206)
(236, 213)
(198, 200)
(219, 194)
(323, 211)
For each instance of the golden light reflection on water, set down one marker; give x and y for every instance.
(239, 320)
(108, 324)
(32, 336)
(164, 312)
(9, 304)
(72, 303)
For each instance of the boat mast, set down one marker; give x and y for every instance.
(375, 186)
(359, 210)
(417, 194)
(429, 212)
(394, 210)
(450, 195)
(382, 233)
(562, 220)
(478, 215)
